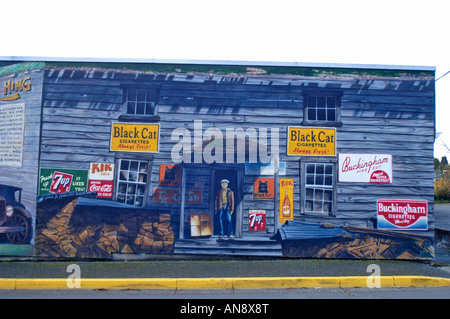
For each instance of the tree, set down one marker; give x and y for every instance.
(437, 164)
(444, 162)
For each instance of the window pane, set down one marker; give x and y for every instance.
(310, 179)
(309, 193)
(326, 207)
(131, 107)
(318, 194)
(320, 168)
(131, 189)
(319, 180)
(331, 101)
(329, 180)
(317, 206)
(327, 195)
(328, 169)
(321, 115)
(140, 108)
(312, 114)
(124, 165)
(121, 198)
(122, 188)
(309, 205)
(130, 200)
(142, 178)
(149, 108)
(139, 201)
(321, 101)
(331, 115)
(134, 166)
(310, 168)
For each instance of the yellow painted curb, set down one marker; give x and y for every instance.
(226, 283)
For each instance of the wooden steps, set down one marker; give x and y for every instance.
(228, 246)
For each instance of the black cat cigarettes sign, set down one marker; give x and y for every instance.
(264, 188)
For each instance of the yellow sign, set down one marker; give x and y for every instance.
(286, 199)
(311, 141)
(129, 137)
(11, 88)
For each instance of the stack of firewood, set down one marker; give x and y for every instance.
(362, 243)
(88, 234)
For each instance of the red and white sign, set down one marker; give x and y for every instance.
(402, 214)
(365, 168)
(60, 182)
(256, 219)
(101, 171)
(104, 189)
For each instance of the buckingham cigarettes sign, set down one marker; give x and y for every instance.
(402, 214)
(365, 168)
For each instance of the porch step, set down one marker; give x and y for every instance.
(228, 246)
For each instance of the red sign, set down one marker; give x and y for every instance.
(169, 175)
(172, 196)
(256, 219)
(61, 182)
(264, 188)
(402, 214)
(104, 189)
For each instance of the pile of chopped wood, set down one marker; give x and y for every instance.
(89, 234)
(362, 243)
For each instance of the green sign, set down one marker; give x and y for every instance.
(57, 181)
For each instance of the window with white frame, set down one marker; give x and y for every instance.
(322, 106)
(141, 101)
(132, 182)
(319, 188)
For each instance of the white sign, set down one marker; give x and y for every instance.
(101, 171)
(365, 168)
(12, 127)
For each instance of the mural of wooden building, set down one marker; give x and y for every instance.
(218, 158)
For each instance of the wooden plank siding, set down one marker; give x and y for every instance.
(378, 115)
(26, 176)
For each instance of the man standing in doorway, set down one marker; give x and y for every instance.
(224, 208)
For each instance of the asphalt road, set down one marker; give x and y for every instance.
(253, 295)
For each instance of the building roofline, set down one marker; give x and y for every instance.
(220, 62)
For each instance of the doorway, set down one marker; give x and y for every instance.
(235, 178)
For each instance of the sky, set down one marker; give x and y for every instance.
(393, 32)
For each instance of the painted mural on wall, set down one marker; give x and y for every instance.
(157, 163)
(20, 115)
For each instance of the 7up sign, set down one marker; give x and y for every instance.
(57, 181)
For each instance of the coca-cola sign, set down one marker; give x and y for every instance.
(365, 168)
(104, 189)
(402, 214)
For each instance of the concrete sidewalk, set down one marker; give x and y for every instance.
(218, 274)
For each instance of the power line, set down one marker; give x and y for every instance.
(442, 76)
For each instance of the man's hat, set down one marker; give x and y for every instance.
(225, 181)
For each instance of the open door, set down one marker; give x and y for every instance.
(235, 178)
